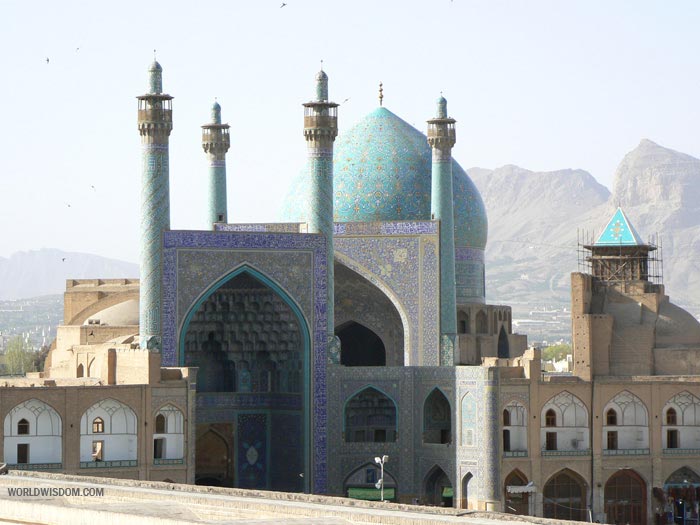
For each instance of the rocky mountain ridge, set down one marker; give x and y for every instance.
(537, 220)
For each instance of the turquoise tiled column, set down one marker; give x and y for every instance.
(155, 123)
(442, 137)
(320, 130)
(216, 142)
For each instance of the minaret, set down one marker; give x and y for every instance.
(215, 142)
(442, 137)
(320, 130)
(155, 121)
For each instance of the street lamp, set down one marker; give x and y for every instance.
(380, 484)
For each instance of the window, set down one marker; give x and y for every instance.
(23, 427)
(98, 448)
(506, 418)
(160, 424)
(612, 440)
(611, 417)
(671, 418)
(98, 426)
(672, 439)
(506, 441)
(22, 453)
(158, 448)
(550, 418)
(551, 441)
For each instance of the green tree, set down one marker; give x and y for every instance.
(19, 358)
(556, 352)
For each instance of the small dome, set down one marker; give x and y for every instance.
(215, 113)
(675, 326)
(382, 172)
(155, 66)
(321, 75)
(441, 107)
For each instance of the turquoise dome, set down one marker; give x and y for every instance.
(382, 172)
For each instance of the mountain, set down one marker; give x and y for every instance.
(44, 272)
(536, 220)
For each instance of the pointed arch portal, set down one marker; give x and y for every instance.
(251, 344)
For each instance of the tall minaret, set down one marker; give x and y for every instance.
(320, 130)
(216, 142)
(155, 120)
(442, 137)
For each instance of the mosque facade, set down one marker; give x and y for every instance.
(292, 356)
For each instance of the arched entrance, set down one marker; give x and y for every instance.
(565, 497)
(213, 462)
(465, 490)
(363, 483)
(438, 488)
(251, 344)
(626, 498)
(360, 346)
(517, 495)
(682, 488)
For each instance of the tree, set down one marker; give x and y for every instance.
(556, 352)
(19, 358)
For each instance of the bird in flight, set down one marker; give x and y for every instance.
(344, 101)
(92, 186)
(63, 259)
(47, 60)
(283, 4)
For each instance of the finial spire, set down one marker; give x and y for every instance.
(381, 93)
(215, 112)
(155, 77)
(441, 107)
(321, 85)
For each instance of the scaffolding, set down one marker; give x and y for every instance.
(611, 264)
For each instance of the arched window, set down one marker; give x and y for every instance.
(611, 417)
(671, 417)
(550, 418)
(81, 371)
(463, 322)
(370, 416)
(503, 347)
(161, 427)
(437, 418)
(517, 500)
(23, 427)
(98, 425)
(506, 418)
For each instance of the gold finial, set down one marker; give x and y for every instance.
(381, 93)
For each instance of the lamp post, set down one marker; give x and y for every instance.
(380, 484)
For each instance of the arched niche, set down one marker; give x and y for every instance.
(437, 418)
(359, 301)
(370, 416)
(113, 437)
(33, 433)
(503, 346)
(517, 495)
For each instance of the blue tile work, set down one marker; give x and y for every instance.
(155, 218)
(470, 283)
(281, 227)
(193, 260)
(251, 437)
(395, 264)
(382, 172)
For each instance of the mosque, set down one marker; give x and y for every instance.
(349, 350)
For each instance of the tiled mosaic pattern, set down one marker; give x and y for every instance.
(382, 173)
(194, 260)
(155, 218)
(395, 264)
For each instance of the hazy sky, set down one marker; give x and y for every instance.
(541, 84)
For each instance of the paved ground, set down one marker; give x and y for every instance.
(149, 503)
